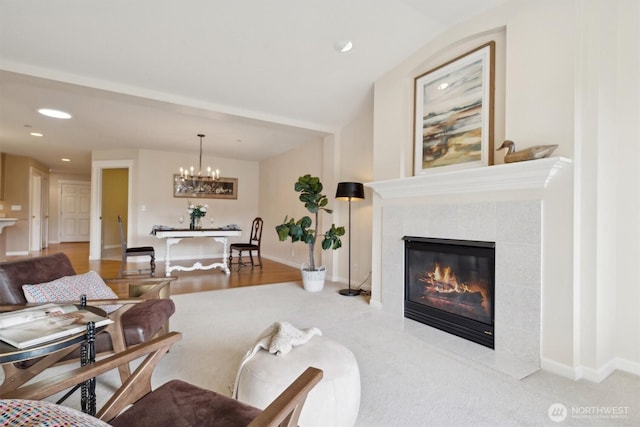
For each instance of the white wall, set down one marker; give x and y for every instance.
(152, 201)
(346, 156)
(607, 183)
(627, 207)
(563, 64)
(278, 199)
(354, 163)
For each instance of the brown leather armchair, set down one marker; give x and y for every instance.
(144, 315)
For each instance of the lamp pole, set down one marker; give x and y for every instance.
(349, 191)
(349, 291)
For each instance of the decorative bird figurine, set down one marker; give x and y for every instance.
(531, 153)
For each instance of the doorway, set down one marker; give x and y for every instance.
(98, 202)
(39, 211)
(115, 197)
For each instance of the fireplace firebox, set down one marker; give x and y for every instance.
(450, 285)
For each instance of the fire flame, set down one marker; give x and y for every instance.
(443, 280)
(448, 277)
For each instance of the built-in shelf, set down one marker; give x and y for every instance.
(529, 175)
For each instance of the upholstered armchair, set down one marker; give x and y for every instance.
(137, 319)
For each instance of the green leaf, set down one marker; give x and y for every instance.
(305, 222)
(283, 232)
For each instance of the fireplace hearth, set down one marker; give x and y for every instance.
(450, 285)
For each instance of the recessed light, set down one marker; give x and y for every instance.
(343, 46)
(65, 159)
(56, 114)
(443, 86)
(36, 134)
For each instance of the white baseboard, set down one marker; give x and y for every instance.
(588, 373)
(597, 375)
(17, 253)
(282, 261)
(628, 366)
(375, 304)
(335, 279)
(559, 368)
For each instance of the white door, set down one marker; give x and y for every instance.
(36, 213)
(75, 206)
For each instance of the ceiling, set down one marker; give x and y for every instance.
(256, 77)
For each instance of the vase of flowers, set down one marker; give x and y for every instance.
(196, 212)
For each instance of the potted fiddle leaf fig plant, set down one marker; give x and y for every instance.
(306, 230)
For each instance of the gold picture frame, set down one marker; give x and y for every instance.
(453, 113)
(222, 188)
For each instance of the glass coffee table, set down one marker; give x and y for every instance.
(50, 353)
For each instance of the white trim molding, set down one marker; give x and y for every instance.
(528, 175)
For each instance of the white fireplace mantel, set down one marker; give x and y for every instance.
(528, 175)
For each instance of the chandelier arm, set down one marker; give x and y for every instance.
(200, 165)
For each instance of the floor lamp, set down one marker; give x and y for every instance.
(350, 191)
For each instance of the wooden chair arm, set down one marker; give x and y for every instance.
(146, 288)
(136, 386)
(285, 410)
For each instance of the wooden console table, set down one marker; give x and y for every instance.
(176, 235)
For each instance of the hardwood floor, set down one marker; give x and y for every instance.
(187, 281)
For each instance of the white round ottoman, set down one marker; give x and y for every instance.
(334, 402)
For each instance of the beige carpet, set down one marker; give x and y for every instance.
(406, 381)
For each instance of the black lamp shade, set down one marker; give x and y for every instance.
(350, 191)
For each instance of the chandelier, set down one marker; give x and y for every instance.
(197, 181)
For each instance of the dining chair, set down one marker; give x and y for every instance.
(251, 247)
(135, 251)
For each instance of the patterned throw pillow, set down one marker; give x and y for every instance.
(14, 412)
(70, 288)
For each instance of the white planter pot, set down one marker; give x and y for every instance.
(313, 281)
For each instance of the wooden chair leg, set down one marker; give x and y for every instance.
(119, 345)
(123, 264)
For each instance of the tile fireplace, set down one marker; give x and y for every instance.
(514, 205)
(449, 284)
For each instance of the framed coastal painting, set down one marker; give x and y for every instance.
(453, 113)
(222, 188)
